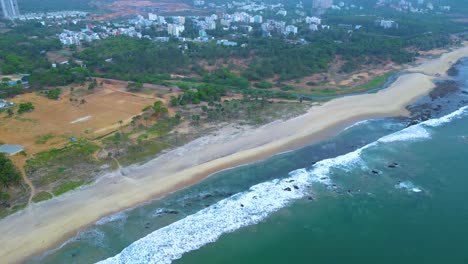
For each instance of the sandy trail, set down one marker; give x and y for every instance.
(44, 225)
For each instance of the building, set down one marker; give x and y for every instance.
(386, 23)
(5, 104)
(10, 9)
(199, 3)
(175, 30)
(152, 17)
(290, 29)
(319, 6)
(11, 149)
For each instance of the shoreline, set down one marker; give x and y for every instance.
(45, 225)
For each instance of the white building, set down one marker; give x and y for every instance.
(290, 29)
(175, 30)
(387, 23)
(152, 17)
(314, 20)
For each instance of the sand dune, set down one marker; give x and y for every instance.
(47, 224)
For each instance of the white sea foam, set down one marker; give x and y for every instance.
(243, 209)
(446, 119)
(409, 186)
(415, 132)
(250, 207)
(112, 218)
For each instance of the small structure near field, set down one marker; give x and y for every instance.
(5, 104)
(11, 149)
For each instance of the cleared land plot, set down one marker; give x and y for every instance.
(50, 124)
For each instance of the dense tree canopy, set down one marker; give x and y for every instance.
(9, 174)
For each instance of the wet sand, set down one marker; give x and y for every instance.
(45, 225)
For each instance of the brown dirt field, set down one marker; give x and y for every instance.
(105, 108)
(59, 56)
(127, 7)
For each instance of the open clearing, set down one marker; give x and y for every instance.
(54, 122)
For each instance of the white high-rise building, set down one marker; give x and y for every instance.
(10, 8)
(175, 30)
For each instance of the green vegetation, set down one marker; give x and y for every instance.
(25, 107)
(42, 196)
(133, 59)
(66, 187)
(55, 166)
(375, 83)
(9, 174)
(24, 50)
(263, 85)
(43, 139)
(51, 94)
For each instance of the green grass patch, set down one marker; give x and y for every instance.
(82, 149)
(263, 85)
(42, 196)
(66, 187)
(43, 139)
(374, 83)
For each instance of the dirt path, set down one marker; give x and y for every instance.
(20, 164)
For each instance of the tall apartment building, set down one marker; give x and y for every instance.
(10, 8)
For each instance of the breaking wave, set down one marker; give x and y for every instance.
(254, 205)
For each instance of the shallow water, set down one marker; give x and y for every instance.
(337, 201)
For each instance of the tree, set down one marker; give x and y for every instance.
(159, 109)
(9, 174)
(25, 107)
(174, 101)
(196, 119)
(92, 85)
(10, 112)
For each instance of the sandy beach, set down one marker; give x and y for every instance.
(45, 225)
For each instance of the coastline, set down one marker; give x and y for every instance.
(43, 225)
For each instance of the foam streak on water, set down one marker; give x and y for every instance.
(250, 207)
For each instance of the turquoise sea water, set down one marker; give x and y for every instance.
(377, 193)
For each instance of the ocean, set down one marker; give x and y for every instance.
(390, 190)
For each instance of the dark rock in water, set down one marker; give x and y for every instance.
(171, 212)
(310, 198)
(73, 255)
(207, 196)
(349, 191)
(287, 189)
(242, 205)
(392, 165)
(323, 178)
(296, 187)
(290, 181)
(375, 172)
(464, 92)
